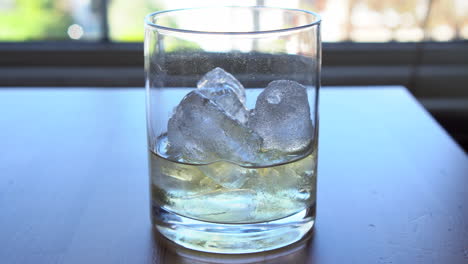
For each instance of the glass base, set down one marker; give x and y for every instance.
(233, 238)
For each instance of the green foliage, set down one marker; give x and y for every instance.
(173, 45)
(126, 21)
(34, 20)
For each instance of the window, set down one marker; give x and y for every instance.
(345, 20)
(40, 20)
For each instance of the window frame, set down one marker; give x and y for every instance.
(344, 63)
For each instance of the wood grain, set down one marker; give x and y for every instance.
(392, 184)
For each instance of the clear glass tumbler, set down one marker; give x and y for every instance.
(232, 112)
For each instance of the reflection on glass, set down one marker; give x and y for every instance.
(298, 252)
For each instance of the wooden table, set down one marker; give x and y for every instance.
(392, 188)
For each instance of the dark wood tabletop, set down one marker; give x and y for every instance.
(392, 184)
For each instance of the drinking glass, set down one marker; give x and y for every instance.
(232, 118)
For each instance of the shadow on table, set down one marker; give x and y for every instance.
(166, 251)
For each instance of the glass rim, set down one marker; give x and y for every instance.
(149, 23)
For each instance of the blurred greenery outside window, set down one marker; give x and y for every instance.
(343, 20)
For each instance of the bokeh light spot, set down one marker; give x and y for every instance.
(75, 31)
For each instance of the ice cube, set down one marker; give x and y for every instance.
(219, 78)
(200, 131)
(232, 206)
(226, 174)
(181, 179)
(228, 100)
(282, 117)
